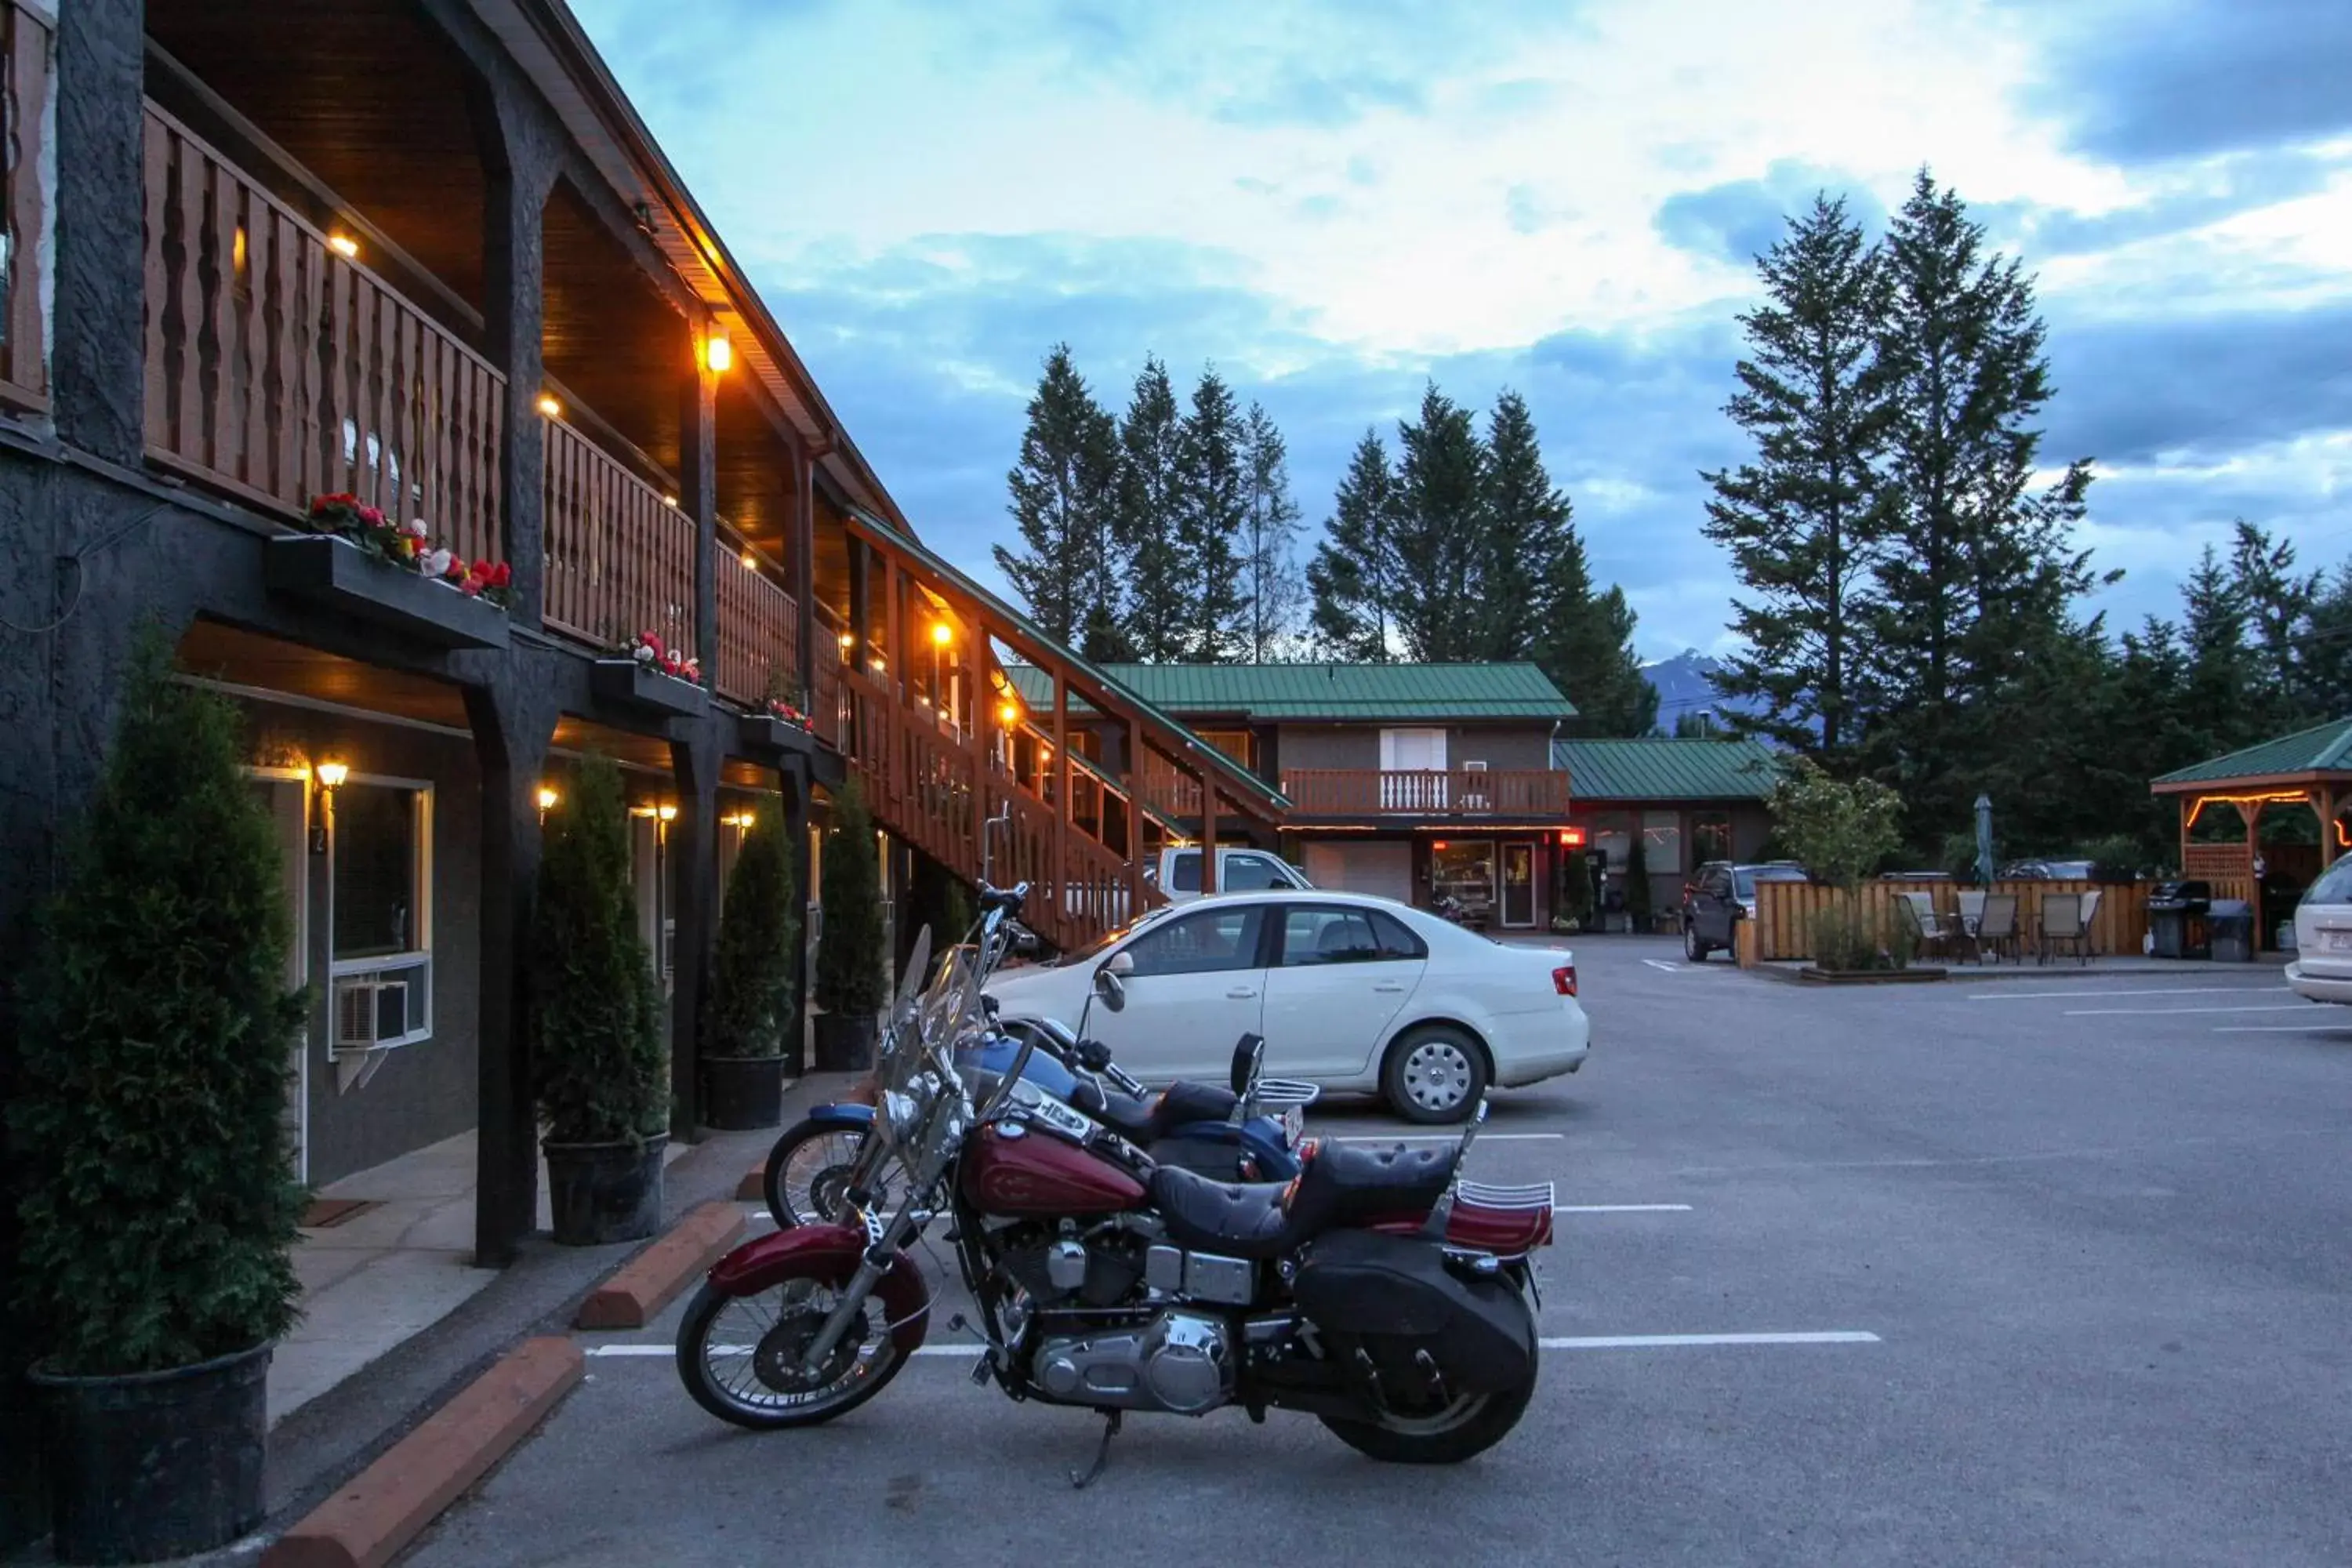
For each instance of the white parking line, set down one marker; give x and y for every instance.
(1578, 1342)
(1443, 1137)
(1622, 1208)
(2173, 1011)
(1662, 963)
(2282, 1028)
(2076, 992)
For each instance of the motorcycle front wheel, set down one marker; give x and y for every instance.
(809, 1171)
(739, 1356)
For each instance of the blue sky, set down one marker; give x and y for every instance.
(1333, 200)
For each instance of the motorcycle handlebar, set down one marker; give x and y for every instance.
(1009, 899)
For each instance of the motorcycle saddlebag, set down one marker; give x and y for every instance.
(1395, 1295)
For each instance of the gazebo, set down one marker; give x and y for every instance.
(2311, 768)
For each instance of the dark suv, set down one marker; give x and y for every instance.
(1721, 895)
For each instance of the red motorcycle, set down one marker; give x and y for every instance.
(1376, 1291)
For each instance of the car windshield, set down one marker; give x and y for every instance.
(2333, 888)
(1096, 948)
(1745, 878)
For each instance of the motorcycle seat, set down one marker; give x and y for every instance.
(1148, 1121)
(1340, 1187)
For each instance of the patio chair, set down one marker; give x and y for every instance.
(2091, 920)
(1973, 903)
(1927, 924)
(2062, 928)
(1997, 926)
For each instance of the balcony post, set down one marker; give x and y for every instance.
(1131, 743)
(1208, 827)
(697, 496)
(894, 673)
(801, 555)
(98, 354)
(518, 164)
(692, 865)
(1062, 803)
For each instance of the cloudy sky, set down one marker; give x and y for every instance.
(1334, 200)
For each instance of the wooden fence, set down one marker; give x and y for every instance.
(1785, 912)
(278, 369)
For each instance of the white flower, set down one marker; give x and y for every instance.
(416, 529)
(645, 654)
(434, 562)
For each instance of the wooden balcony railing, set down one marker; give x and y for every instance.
(1173, 795)
(620, 557)
(759, 628)
(278, 369)
(24, 104)
(1450, 794)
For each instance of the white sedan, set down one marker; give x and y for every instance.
(2322, 969)
(1352, 993)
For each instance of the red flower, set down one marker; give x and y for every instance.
(501, 575)
(471, 588)
(457, 573)
(370, 516)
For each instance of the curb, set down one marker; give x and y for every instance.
(653, 1278)
(388, 1505)
(753, 1187)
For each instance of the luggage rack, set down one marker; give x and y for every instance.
(1488, 1195)
(1285, 1091)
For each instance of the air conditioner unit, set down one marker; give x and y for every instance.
(1473, 796)
(370, 1011)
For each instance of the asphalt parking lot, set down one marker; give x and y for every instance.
(2026, 1270)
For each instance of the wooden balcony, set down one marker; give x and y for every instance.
(620, 555)
(1442, 795)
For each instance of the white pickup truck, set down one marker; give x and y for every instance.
(1177, 873)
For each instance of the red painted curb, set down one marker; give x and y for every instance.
(389, 1504)
(753, 1187)
(653, 1279)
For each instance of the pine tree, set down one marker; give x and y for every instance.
(1440, 531)
(1975, 574)
(1157, 612)
(1269, 541)
(850, 977)
(1527, 529)
(752, 1010)
(1588, 649)
(1803, 521)
(1065, 502)
(1211, 512)
(1352, 578)
(2277, 601)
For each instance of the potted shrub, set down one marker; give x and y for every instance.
(1638, 904)
(851, 985)
(148, 1122)
(599, 1073)
(754, 1017)
(1576, 889)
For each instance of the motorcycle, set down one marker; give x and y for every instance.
(1247, 1132)
(1379, 1291)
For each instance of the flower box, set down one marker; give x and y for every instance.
(336, 574)
(766, 732)
(637, 685)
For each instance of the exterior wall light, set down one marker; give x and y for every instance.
(344, 245)
(942, 634)
(547, 798)
(750, 562)
(549, 406)
(718, 352)
(332, 774)
(1010, 713)
(667, 812)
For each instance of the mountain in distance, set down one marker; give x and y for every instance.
(1685, 684)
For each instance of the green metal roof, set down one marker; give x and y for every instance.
(1389, 692)
(2322, 749)
(1666, 770)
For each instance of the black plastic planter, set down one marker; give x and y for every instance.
(844, 1042)
(766, 732)
(601, 1192)
(634, 684)
(342, 577)
(158, 1463)
(740, 1093)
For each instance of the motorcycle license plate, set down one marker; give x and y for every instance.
(1294, 1122)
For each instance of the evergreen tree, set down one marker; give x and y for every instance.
(1440, 531)
(2328, 649)
(1212, 504)
(1269, 543)
(752, 1010)
(1588, 650)
(1352, 578)
(1065, 502)
(851, 979)
(1158, 606)
(2277, 601)
(1977, 575)
(1527, 530)
(1803, 521)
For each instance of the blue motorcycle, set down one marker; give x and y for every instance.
(1249, 1133)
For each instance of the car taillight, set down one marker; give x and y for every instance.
(1563, 980)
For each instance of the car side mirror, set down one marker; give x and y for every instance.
(1110, 988)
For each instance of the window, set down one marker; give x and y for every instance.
(1315, 935)
(1236, 745)
(1185, 876)
(1250, 873)
(1211, 942)
(1466, 871)
(1662, 840)
(1711, 835)
(381, 969)
(1612, 839)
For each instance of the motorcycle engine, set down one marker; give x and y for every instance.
(1178, 1361)
(1100, 1267)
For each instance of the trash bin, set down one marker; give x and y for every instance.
(2232, 924)
(2176, 919)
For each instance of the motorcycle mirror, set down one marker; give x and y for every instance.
(1109, 990)
(1249, 1064)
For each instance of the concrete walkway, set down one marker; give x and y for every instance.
(388, 1272)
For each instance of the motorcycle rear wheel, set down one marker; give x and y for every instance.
(807, 1176)
(736, 1354)
(1468, 1426)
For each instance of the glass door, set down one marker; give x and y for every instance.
(1519, 884)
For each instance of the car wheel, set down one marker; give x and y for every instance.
(1435, 1074)
(1694, 949)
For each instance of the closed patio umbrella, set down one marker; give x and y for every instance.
(1984, 839)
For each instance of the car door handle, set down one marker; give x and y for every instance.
(1240, 992)
(1391, 989)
